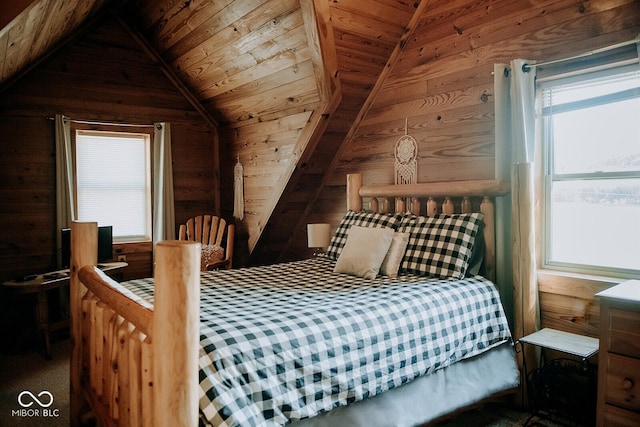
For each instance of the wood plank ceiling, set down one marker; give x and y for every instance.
(248, 63)
(39, 28)
(365, 38)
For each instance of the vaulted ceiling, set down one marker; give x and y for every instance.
(242, 63)
(223, 50)
(304, 90)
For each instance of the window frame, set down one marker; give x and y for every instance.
(549, 177)
(118, 131)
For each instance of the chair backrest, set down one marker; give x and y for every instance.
(210, 230)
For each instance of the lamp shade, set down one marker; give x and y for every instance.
(318, 235)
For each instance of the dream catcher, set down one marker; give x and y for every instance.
(406, 152)
(238, 191)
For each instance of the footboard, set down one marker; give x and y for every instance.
(133, 363)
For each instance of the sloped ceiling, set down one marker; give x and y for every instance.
(37, 29)
(244, 63)
(289, 84)
(236, 55)
(232, 55)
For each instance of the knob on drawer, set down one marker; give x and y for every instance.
(627, 384)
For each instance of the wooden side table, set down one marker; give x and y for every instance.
(565, 342)
(40, 285)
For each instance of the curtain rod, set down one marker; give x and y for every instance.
(527, 67)
(91, 122)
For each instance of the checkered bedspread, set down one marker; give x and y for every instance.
(289, 341)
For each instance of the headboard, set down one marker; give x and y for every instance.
(432, 198)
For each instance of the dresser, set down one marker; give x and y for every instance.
(619, 356)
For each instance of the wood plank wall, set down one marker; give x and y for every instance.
(443, 85)
(364, 38)
(103, 77)
(253, 65)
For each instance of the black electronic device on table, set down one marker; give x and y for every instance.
(105, 245)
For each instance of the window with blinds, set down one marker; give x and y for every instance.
(113, 182)
(591, 139)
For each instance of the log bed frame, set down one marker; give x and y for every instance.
(124, 373)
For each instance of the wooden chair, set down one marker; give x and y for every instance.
(210, 230)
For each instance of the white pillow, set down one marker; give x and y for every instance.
(393, 259)
(364, 251)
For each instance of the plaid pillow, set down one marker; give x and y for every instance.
(363, 219)
(440, 246)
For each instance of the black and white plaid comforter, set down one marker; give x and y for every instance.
(285, 342)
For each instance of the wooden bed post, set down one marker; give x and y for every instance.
(176, 334)
(354, 182)
(84, 235)
(488, 210)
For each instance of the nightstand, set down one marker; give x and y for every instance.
(619, 362)
(563, 388)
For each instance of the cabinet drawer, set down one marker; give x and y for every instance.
(622, 384)
(625, 332)
(616, 417)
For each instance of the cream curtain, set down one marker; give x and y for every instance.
(65, 207)
(515, 141)
(164, 227)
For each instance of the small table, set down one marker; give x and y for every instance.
(40, 285)
(565, 342)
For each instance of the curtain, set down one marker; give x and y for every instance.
(515, 141)
(164, 227)
(503, 234)
(65, 206)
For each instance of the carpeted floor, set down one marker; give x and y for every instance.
(26, 375)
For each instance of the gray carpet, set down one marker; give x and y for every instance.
(28, 371)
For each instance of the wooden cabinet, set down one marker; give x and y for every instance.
(619, 362)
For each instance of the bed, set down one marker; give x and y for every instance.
(369, 334)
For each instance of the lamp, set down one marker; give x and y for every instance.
(318, 237)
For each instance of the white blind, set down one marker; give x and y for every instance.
(570, 93)
(113, 182)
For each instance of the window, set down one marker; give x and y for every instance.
(113, 182)
(591, 135)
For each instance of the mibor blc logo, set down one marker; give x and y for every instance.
(33, 405)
